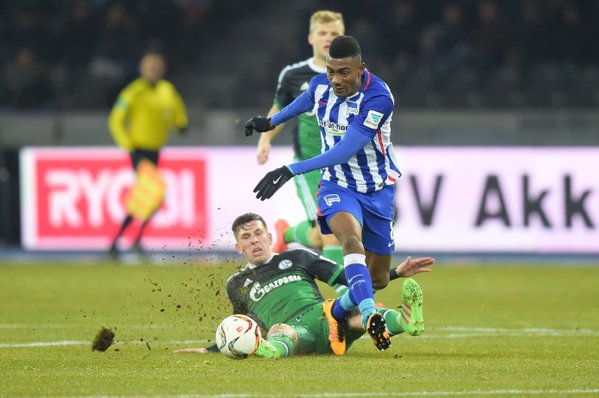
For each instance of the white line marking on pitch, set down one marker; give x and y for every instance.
(72, 325)
(434, 333)
(372, 394)
(502, 330)
(78, 342)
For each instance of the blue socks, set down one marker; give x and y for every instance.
(360, 289)
(343, 305)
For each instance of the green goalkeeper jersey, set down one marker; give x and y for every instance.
(282, 288)
(294, 80)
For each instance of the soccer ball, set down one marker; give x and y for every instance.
(238, 336)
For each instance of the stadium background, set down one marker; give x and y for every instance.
(523, 84)
(465, 73)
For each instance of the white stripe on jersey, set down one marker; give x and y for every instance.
(308, 199)
(297, 65)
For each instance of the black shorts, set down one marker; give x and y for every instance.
(138, 154)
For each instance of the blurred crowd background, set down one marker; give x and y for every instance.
(77, 54)
(522, 73)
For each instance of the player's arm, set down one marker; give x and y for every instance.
(319, 266)
(264, 143)
(411, 266)
(360, 132)
(351, 143)
(262, 124)
(117, 122)
(282, 97)
(354, 140)
(235, 296)
(300, 105)
(201, 350)
(408, 267)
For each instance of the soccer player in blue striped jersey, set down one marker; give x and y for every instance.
(358, 172)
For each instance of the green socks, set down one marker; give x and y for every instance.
(276, 346)
(299, 233)
(392, 320)
(283, 344)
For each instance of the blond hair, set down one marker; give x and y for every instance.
(325, 16)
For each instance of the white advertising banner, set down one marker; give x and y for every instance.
(449, 199)
(508, 199)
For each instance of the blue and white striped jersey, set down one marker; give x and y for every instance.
(368, 112)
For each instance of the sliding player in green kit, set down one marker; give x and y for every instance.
(279, 292)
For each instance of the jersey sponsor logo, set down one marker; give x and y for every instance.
(332, 198)
(285, 264)
(258, 291)
(373, 119)
(332, 128)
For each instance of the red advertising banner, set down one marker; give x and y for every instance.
(75, 198)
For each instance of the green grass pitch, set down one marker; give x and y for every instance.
(491, 330)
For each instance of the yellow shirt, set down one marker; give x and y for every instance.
(144, 114)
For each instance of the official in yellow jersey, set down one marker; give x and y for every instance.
(146, 111)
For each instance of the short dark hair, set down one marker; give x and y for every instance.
(345, 46)
(245, 218)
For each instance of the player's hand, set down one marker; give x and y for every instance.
(412, 266)
(272, 181)
(259, 123)
(263, 150)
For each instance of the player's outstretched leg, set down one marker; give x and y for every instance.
(377, 329)
(411, 316)
(336, 332)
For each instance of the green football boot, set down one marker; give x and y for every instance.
(411, 317)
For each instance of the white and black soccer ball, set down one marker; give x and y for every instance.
(238, 336)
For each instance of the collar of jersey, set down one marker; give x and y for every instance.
(316, 68)
(252, 266)
(365, 80)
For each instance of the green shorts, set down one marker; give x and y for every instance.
(306, 186)
(313, 332)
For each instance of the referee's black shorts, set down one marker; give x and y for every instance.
(138, 154)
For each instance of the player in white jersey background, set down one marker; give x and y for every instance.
(358, 171)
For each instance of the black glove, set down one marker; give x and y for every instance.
(259, 123)
(272, 181)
